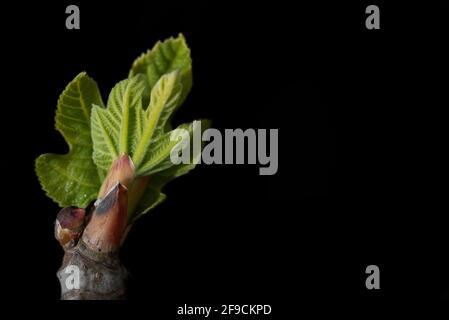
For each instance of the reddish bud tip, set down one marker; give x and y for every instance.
(121, 171)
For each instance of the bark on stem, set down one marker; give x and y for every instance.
(102, 276)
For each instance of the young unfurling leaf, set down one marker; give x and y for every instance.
(165, 57)
(127, 126)
(116, 128)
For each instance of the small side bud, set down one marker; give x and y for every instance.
(69, 225)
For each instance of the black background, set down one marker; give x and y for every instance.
(362, 161)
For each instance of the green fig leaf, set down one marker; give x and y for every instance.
(72, 179)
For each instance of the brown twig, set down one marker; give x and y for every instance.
(91, 267)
